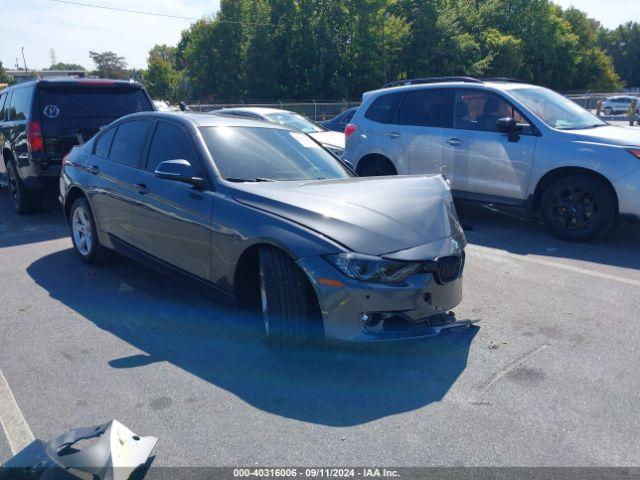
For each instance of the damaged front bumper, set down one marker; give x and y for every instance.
(361, 311)
(112, 452)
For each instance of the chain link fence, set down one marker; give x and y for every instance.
(317, 111)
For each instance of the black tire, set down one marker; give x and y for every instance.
(608, 111)
(95, 253)
(579, 208)
(22, 199)
(288, 303)
(379, 167)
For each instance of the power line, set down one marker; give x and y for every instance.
(139, 12)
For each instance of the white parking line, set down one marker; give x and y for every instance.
(13, 423)
(488, 252)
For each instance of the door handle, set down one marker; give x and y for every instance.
(454, 142)
(141, 188)
(94, 169)
(393, 134)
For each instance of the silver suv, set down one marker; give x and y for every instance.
(506, 143)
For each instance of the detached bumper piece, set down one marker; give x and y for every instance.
(105, 452)
(397, 325)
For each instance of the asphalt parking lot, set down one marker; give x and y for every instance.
(548, 377)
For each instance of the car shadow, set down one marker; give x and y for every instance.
(515, 231)
(176, 321)
(23, 229)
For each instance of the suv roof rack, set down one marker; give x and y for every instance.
(418, 81)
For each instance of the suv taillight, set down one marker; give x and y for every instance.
(34, 136)
(350, 129)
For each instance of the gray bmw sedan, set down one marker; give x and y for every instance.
(269, 219)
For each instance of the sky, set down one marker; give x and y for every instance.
(73, 30)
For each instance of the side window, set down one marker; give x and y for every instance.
(425, 108)
(104, 143)
(347, 118)
(3, 97)
(20, 103)
(478, 110)
(129, 142)
(170, 142)
(383, 109)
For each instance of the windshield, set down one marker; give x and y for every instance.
(293, 120)
(555, 110)
(261, 154)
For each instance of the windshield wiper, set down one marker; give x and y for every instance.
(248, 180)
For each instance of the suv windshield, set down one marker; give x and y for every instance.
(249, 154)
(293, 120)
(555, 110)
(85, 102)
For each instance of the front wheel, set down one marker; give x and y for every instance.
(579, 208)
(288, 304)
(84, 234)
(22, 199)
(608, 111)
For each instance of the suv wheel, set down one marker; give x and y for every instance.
(287, 308)
(578, 208)
(608, 111)
(21, 197)
(84, 234)
(378, 167)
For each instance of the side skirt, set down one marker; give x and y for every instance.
(133, 253)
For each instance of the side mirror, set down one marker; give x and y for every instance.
(509, 126)
(178, 171)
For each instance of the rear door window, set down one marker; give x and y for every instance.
(170, 142)
(103, 145)
(425, 108)
(60, 103)
(20, 103)
(129, 142)
(383, 109)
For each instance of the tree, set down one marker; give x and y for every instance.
(161, 78)
(623, 45)
(66, 66)
(109, 65)
(4, 76)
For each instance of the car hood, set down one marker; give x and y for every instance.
(375, 216)
(610, 134)
(334, 139)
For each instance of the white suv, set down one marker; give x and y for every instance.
(506, 143)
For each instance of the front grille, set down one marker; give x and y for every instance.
(449, 268)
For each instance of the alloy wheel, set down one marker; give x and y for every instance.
(574, 209)
(13, 187)
(82, 231)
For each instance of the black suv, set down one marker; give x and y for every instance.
(41, 120)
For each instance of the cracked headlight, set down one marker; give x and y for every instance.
(368, 268)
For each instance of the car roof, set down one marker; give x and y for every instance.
(70, 81)
(206, 120)
(255, 110)
(494, 84)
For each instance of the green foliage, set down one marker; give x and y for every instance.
(109, 65)
(66, 66)
(269, 49)
(623, 45)
(4, 76)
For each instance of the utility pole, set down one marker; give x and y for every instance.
(52, 56)
(24, 62)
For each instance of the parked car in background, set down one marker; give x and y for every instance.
(332, 141)
(618, 105)
(267, 217)
(506, 143)
(41, 120)
(162, 106)
(339, 122)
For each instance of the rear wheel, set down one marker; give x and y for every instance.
(608, 110)
(378, 167)
(289, 309)
(23, 200)
(579, 208)
(84, 234)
